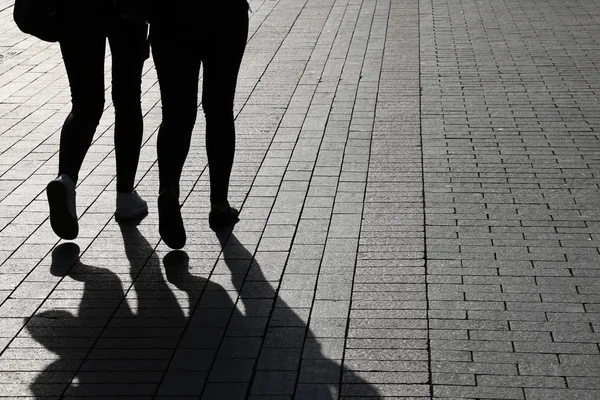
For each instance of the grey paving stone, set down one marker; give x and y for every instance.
(463, 108)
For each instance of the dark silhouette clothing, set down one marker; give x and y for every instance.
(218, 43)
(185, 19)
(83, 49)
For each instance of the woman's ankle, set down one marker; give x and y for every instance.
(169, 190)
(221, 206)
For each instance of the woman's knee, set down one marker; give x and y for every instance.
(128, 110)
(179, 122)
(217, 112)
(127, 99)
(88, 112)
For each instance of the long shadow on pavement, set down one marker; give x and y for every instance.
(110, 350)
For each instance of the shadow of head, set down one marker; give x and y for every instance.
(64, 257)
(177, 266)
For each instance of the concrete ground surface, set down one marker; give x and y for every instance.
(420, 217)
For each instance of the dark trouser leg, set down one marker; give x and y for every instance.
(127, 42)
(221, 63)
(178, 68)
(84, 61)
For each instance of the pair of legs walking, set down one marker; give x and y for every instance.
(219, 48)
(83, 51)
(218, 45)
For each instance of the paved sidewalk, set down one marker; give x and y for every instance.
(420, 192)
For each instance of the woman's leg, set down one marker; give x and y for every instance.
(178, 68)
(221, 61)
(83, 57)
(127, 42)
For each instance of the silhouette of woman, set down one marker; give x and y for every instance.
(183, 37)
(87, 25)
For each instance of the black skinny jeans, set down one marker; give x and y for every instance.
(83, 50)
(219, 47)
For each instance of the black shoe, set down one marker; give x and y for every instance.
(63, 213)
(220, 220)
(170, 223)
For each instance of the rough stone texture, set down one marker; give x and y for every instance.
(510, 125)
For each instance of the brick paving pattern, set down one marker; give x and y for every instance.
(420, 217)
(510, 141)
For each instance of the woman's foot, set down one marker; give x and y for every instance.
(63, 212)
(222, 216)
(130, 206)
(170, 223)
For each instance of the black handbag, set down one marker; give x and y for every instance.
(137, 10)
(40, 18)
